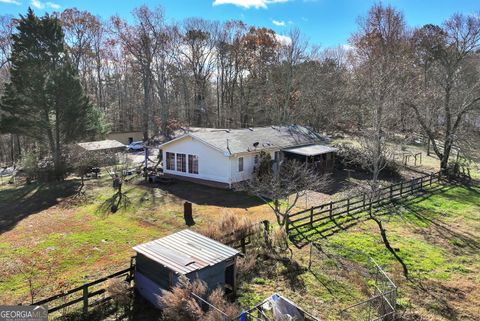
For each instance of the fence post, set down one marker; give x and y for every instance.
(85, 299)
(391, 192)
(431, 178)
(242, 243)
(401, 188)
(331, 205)
(364, 202)
(266, 226)
(311, 216)
(348, 206)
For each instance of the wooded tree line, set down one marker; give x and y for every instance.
(150, 75)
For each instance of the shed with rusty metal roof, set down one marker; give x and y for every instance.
(160, 263)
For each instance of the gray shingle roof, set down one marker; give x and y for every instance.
(233, 141)
(186, 251)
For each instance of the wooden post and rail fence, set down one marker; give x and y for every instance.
(322, 216)
(84, 294)
(242, 239)
(96, 292)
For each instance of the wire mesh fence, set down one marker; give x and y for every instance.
(373, 295)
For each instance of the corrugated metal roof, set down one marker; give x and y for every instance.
(233, 141)
(311, 150)
(186, 251)
(101, 144)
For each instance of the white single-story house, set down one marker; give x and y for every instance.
(223, 157)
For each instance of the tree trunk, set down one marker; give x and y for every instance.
(383, 233)
(146, 103)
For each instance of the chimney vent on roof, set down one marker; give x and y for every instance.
(255, 144)
(250, 129)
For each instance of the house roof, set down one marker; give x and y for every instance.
(234, 141)
(101, 145)
(186, 251)
(311, 150)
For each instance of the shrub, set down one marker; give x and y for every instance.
(180, 304)
(30, 165)
(352, 157)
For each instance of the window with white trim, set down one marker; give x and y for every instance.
(240, 164)
(181, 162)
(193, 164)
(170, 161)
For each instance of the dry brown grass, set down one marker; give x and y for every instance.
(119, 290)
(229, 224)
(217, 299)
(180, 303)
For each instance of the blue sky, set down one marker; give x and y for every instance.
(325, 22)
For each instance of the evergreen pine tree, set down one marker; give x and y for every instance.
(44, 99)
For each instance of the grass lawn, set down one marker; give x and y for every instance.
(438, 239)
(59, 243)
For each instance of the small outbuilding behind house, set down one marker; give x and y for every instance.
(106, 146)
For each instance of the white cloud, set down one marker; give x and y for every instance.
(279, 23)
(11, 2)
(42, 5)
(284, 40)
(37, 4)
(248, 3)
(53, 5)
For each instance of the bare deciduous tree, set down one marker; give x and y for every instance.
(282, 190)
(451, 79)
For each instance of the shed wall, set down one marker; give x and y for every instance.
(123, 137)
(213, 276)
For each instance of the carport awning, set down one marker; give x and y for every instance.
(311, 150)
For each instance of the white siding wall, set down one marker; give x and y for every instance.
(248, 167)
(212, 164)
